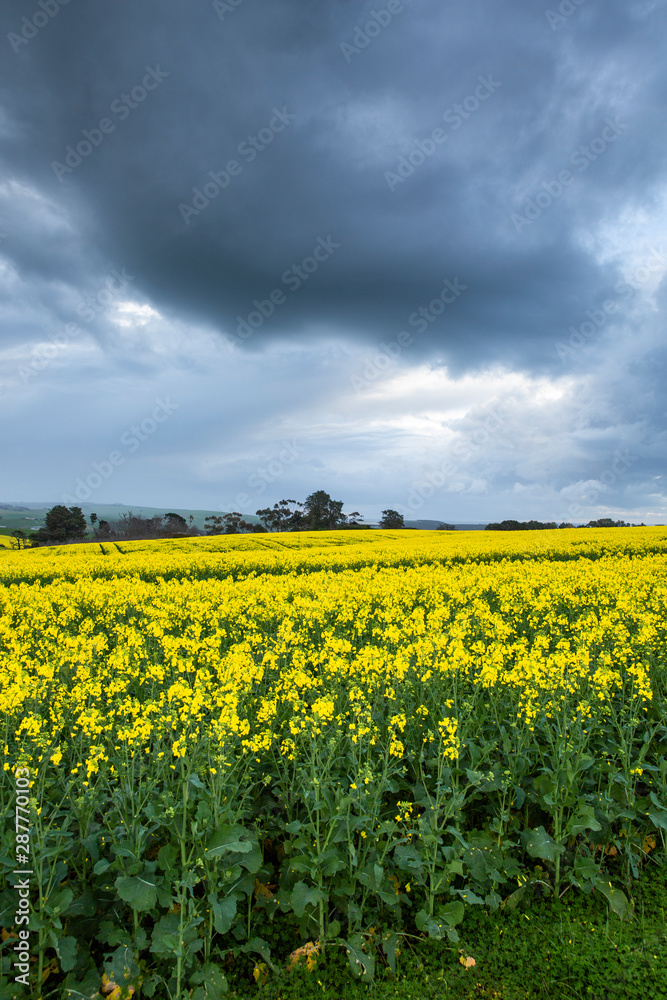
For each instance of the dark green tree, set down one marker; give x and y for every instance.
(281, 517)
(19, 536)
(228, 524)
(62, 524)
(135, 526)
(175, 523)
(321, 513)
(235, 524)
(392, 519)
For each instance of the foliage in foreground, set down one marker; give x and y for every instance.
(573, 949)
(232, 768)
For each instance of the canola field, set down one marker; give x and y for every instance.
(244, 750)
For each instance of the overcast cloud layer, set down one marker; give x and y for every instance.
(408, 252)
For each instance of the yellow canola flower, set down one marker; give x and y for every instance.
(267, 646)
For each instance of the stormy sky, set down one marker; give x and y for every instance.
(410, 252)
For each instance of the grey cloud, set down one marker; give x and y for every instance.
(323, 175)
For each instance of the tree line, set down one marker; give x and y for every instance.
(318, 512)
(602, 522)
(68, 524)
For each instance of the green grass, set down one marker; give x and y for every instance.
(25, 520)
(574, 949)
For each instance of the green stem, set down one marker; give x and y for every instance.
(558, 820)
(179, 957)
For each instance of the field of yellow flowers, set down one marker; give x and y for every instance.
(243, 745)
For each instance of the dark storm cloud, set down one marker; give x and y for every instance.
(226, 75)
(424, 213)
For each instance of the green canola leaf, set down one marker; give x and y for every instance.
(140, 893)
(468, 896)
(74, 988)
(210, 981)
(362, 965)
(122, 968)
(584, 820)
(436, 929)
(389, 945)
(230, 839)
(66, 949)
(658, 817)
(617, 900)
(586, 869)
(164, 941)
(408, 859)
(224, 911)
(540, 845)
(59, 902)
(303, 896)
(452, 913)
